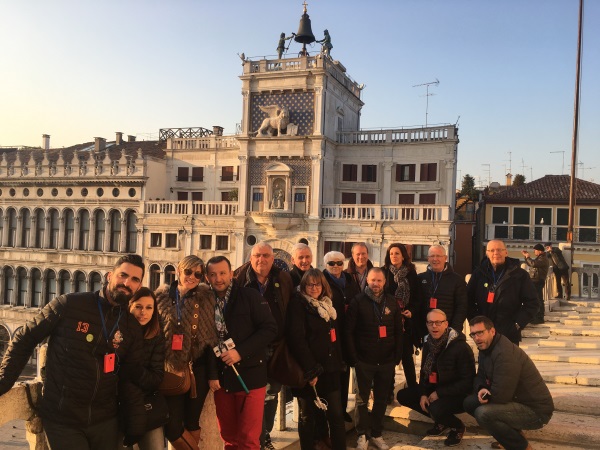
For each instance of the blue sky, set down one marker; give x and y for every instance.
(80, 69)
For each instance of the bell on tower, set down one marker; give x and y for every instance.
(304, 35)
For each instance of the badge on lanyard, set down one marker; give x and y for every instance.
(490, 297)
(382, 331)
(109, 363)
(177, 343)
(332, 334)
(433, 377)
(433, 302)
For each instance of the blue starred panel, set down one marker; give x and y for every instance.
(300, 105)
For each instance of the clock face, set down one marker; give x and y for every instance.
(299, 104)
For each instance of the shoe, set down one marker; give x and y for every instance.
(437, 430)
(268, 445)
(361, 443)
(454, 437)
(379, 443)
(347, 417)
(496, 444)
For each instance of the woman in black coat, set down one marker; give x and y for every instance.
(402, 283)
(313, 339)
(149, 375)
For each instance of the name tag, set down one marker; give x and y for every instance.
(490, 297)
(177, 343)
(433, 378)
(109, 363)
(382, 331)
(332, 335)
(433, 303)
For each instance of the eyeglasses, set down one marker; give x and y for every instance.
(313, 285)
(496, 250)
(437, 323)
(335, 263)
(477, 333)
(188, 272)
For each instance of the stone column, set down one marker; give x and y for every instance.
(243, 186)
(316, 185)
(2, 302)
(107, 234)
(29, 294)
(140, 241)
(61, 234)
(47, 233)
(92, 235)
(18, 237)
(387, 183)
(13, 300)
(123, 240)
(5, 232)
(75, 245)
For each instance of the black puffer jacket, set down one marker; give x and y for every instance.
(309, 340)
(252, 327)
(77, 392)
(510, 375)
(455, 367)
(362, 331)
(296, 274)
(450, 291)
(152, 368)
(515, 298)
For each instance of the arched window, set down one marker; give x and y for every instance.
(80, 284)
(84, 229)
(12, 227)
(95, 281)
(54, 227)
(169, 274)
(50, 286)
(131, 241)
(40, 228)
(154, 280)
(26, 221)
(21, 286)
(69, 220)
(1, 225)
(64, 282)
(100, 230)
(9, 285)
(36, 284)
(115, 231)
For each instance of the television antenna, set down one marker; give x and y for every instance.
(427, 95)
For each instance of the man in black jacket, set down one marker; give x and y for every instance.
(538, 273)
(245, 327)
(560, 268)
(501, 290)
(302, 260)
(509, 394)
(441, 288)
(374, 339)
(93, 339)
(360, 264)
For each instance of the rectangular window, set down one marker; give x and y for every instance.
(348, 198)
(197, 173)
(257, 196)
(500, 214)
(182, 196)
(183, 173)
(225, 196)
(369, 173)
(562, 216)
(338, 246)
(171, 240)
(300, 201)
(426, 199)
(367, 199)
(587, 218)
(205, 242)
(405, 172)
(543, 218)
(222, 243)
(419, 252)
(300, 197)
(521, 216)
(406, 199)
(429, 172)
(155, 239)
(350, 172)
(197, 196)
(227, 173)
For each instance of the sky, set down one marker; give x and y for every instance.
(506, 69)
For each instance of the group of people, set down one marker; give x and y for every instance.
(222, 328)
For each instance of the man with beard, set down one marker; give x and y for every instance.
(93, 340)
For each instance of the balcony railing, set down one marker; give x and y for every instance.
(418, 213)
(187, 208)
(202, 143)
(544, 233)
(408, 135)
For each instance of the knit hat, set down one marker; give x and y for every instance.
(538, 247)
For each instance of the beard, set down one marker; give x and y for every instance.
(119, 297)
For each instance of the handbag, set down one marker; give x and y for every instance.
(284, 368)
(157, 410)
(176, 384)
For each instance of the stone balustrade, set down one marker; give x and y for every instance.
(203, 143)
(402, 135)
(190, 208)
(421, 213)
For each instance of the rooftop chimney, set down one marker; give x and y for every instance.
(509, 179)
(119, 138)
(130, 138)
(46, 141)
(217, 130)
(99, 144)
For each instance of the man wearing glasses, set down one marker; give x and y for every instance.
(501, 290)
(447, 372)
(509, 393)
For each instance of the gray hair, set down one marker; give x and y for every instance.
(299, 246)
(438, 311)
(437, 246)
(262, 244)
(333, 256)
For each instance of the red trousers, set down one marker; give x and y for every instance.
(240, 417)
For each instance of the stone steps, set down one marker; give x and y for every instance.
(570, 342)
(580, 322)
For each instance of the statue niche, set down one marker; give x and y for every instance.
(278, 197)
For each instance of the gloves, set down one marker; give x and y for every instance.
(129, 440)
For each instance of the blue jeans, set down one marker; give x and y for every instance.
(504, 421)
(271, 402)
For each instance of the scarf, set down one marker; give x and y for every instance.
(435, 347)
(402, 293)
(324, 307)
(340, 282)
(221, 304)
(372, 296)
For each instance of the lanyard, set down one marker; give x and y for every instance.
(379, 312)
(496, 280)
(177, 306)
(107, 335)
(262, 288)
(435, 282)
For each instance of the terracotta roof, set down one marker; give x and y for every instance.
(548, 189)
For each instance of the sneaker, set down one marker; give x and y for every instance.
(454, 437)
(437, 430)
(379, 443)
(361, 443)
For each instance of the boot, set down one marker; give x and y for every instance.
(185, 442)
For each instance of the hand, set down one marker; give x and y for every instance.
(424, 403)
(433, 397)
(313, 381)
(130, 440)
(214, 385)
(231, 357)
(525, 253)
(406, 313)
(480, 393)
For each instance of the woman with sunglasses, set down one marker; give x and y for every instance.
(313, 339)
(149, 374)
(177, 305)
(402, 283)
(343, 289)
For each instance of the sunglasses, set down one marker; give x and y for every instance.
(198, 275)
(335, 263)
